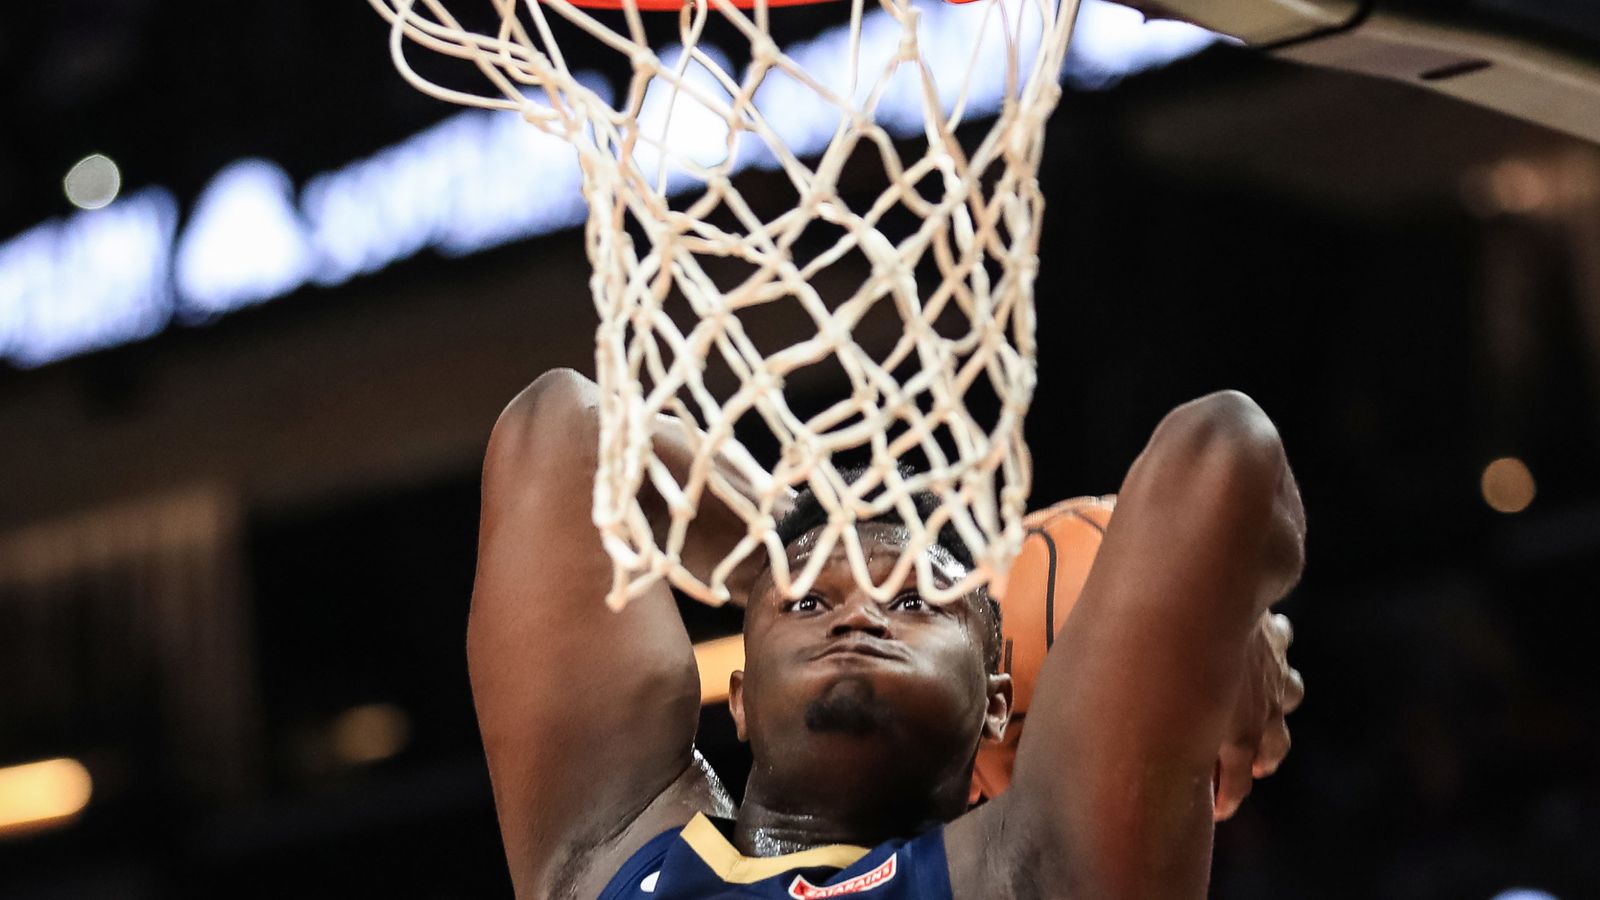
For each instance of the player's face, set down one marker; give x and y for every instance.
(836, 671)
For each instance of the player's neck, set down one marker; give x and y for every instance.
(778, 817)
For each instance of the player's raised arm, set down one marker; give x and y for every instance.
(587, 716)
(1112, 795)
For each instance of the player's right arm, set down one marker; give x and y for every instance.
(587, 716)
(1112, 793)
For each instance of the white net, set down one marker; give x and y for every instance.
(940, 241)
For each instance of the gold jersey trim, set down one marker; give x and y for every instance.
(733, 867)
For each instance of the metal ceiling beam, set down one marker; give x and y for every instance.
(1473, 59)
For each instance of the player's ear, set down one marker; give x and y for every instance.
(998, 713)
(736, 702)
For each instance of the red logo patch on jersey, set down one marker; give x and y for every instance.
(801, 889)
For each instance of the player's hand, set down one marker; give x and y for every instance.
(1259, 734)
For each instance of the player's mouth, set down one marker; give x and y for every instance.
(858, 647)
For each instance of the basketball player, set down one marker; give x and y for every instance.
(864, 717)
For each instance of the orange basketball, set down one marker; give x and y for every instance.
(1035, 597)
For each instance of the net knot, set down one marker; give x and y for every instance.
(764, 381)
(644, 60)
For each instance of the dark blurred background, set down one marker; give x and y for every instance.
(237, 541)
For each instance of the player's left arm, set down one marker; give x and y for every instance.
(1112, 795)
(1051, 574)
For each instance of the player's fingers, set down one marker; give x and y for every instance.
(1285, 627)
(1294, 691)
(1280, 633)
(1272, 750)
(1233, 779)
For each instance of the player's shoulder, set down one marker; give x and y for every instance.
(700, 862)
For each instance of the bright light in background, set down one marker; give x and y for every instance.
(42, 794)
(94, 279)
(370, 733)
(244, 243)
(1111, 42)
(390, 205)
(1507, 485)
(681, 122)
(965, 45)
(1519, 186)
(1524, 894)
(716, 660)
(474, 181)
(92, 182)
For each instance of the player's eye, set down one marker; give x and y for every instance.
(909, 603)
(808, 603)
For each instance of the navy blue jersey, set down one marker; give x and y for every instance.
(697, 862)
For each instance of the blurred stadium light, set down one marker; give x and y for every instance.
(370, 733)
(92, 182)
(716, 660)
(95, 279)
(244, 242)
(42, 794)
(1507, 485)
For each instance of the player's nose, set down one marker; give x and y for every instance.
(860, 614)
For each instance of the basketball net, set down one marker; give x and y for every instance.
(665, 215)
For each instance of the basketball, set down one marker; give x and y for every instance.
(1035, 597)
